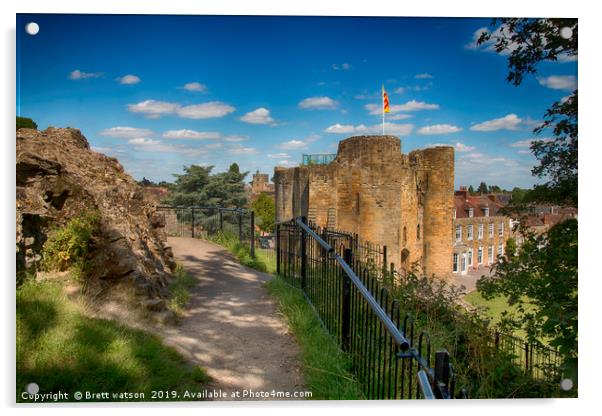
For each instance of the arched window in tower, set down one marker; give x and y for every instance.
(418, 232)
(405, 236)
(357, 203)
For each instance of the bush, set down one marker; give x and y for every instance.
(180, 290)
(67, 248)
(24, 122)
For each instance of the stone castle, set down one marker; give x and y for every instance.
(403, 201)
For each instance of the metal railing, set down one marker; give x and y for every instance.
(203, 222)
(390, 359)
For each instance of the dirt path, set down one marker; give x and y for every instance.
(231, 326)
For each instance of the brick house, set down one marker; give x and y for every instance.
(480, 231)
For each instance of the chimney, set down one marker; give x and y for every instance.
(463, 192)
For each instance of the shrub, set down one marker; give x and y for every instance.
(180, 290)
(67, 248)
(24, 122)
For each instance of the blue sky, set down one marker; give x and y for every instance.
(161, 92)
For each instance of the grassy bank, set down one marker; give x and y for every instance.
(262, 261)
(326, 368)
(180, 290)
(60, 347)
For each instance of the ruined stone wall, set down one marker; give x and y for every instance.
(402, 201)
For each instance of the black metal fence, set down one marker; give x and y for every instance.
(204, 222)
(540, 361)
(390, 358)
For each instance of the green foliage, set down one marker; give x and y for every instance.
(545, 271)
(242, 252)
(511, 247)
(180, 290)
(61, 348)
(327, 370)
(484, 370)
(482, 189)
(471, 190)
(67, 248)
(24, 122)
(528, 43)
(197, 186)
(520, 196)
(265, 212)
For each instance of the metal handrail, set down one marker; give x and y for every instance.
(396, 334)
(202, 207)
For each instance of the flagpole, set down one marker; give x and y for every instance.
(383, 106)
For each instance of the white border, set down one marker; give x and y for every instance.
(589, 212)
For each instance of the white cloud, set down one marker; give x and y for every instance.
(340, 128)
(77, 74)
(242, 150)
(128, 79)
(143, 141)
(399, 116)
(292, 145)
(153, 108)
(344, 66)
(461, 147)
(439, 129)
(559, 82)
(489, 46)
(156, 109)
(527, 142)
(195, 86)
(236, 138)
(125, 132)
(191, 134)
(258, 116)
(279, 156)
(413, 105)
(212, 109)
(400, 90)
(318, 103)
(390, 128)
(508, 122)
(423, 76)
(287, 163)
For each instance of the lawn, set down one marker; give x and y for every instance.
(61, 347)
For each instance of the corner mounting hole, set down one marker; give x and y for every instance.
(32, 28)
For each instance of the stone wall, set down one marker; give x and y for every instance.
(402, 201)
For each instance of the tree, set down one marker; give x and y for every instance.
(544, 272)
(530, 42)
(471, 190)
(146, 182)
(27, 123)
(198, 187)
(265, 212)
(482, 189)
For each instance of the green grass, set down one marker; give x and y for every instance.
(180, 290)
(261, 262)
(492, 309)
(60, 347)
(326, 368)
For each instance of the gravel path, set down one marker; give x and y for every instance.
(231, 326)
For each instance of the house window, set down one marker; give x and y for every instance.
(500, 250)
(454, 213)
(500, 229)
(470, 212)
(458, 232)
(418, 232)
(469, 233)
(490, 229)
(480, 255)
(490, 254)
(463, 263)
(481, 231)
(470, 256)
(486, 211)
(455, 269)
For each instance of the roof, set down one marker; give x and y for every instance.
(464, 202)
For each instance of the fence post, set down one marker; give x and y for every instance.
(345, 319)
(192, 229)
(384, 260)
(303, 255)
(221, 220)
(442, 375)
(253, 234)
(240, 226)
(278, 249)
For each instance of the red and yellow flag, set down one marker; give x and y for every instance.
(386, 108)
